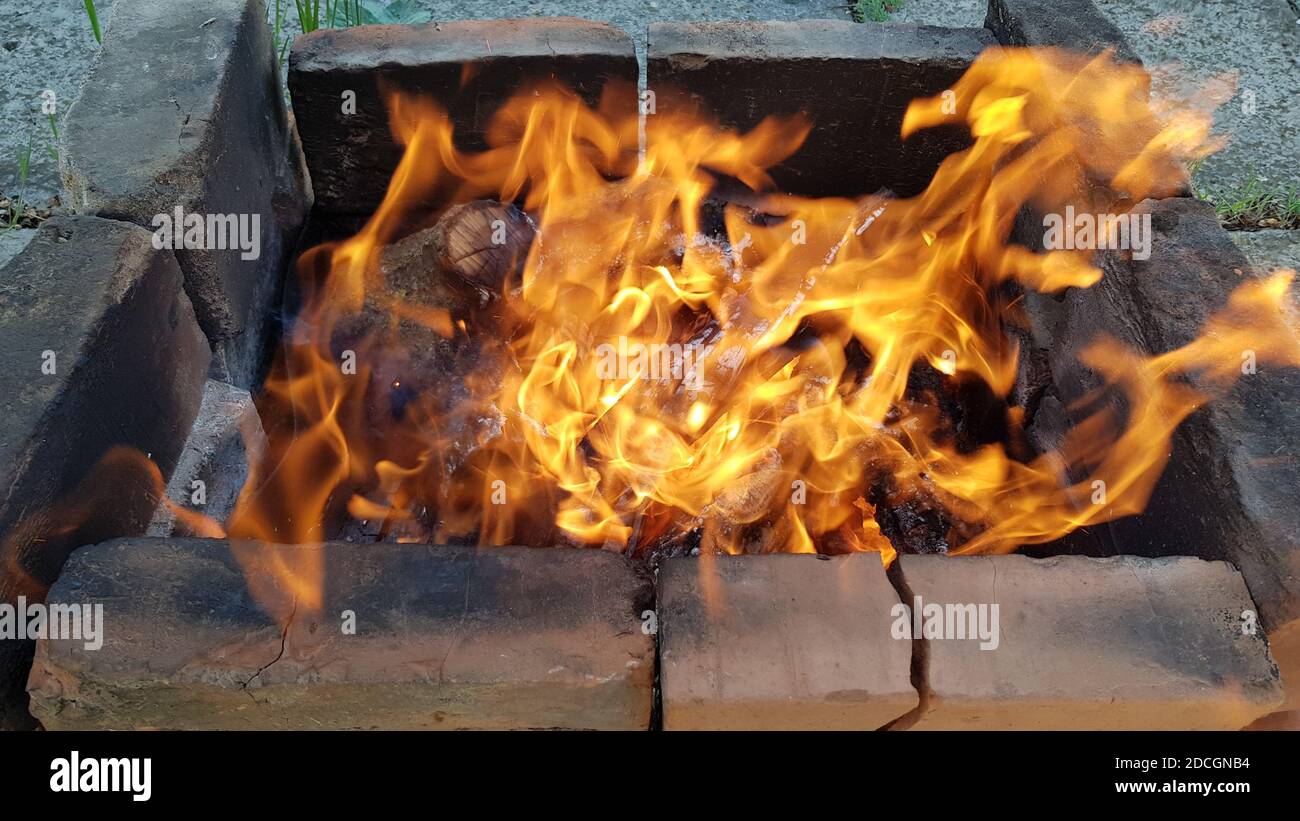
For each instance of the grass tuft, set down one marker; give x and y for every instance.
(874, 11)
(1251, 205)
(17, 208)
(337, 14)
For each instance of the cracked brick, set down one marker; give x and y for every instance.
(183, 108)
(780, 642)
(446, 638)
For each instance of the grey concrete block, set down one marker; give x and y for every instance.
(105, 371)
(184, 110)
(1070, 24)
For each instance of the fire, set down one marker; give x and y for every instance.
(664, 369)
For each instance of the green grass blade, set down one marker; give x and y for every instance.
(308, 15)
(94, 20)
(16, 206)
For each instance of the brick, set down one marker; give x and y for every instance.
(1287, 720)
(128, 361)
(1117, 643)
(446, 638)
(743, 72)
(1228, 491)
(469, 67)
(780, 642)
(226, 437)
(1070, 24)
(184, 108)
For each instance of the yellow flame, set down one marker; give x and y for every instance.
(761, 388)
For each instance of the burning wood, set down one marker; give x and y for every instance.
(482, 242)
(787, 374)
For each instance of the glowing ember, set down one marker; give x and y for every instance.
(643, 379)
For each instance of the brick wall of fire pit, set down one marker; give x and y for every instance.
(159, 356)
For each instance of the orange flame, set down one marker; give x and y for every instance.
(640, 381)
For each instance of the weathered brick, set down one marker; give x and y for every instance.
(226, 438)
(780, 642)
(93, 302)
(1228, 490)
(1118, 643)
(743, 72)
(1070, 24)
(469, 67)
(446, 638)
(184, 108)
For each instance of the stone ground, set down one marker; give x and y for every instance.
(49, 46)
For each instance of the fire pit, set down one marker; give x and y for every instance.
(815, 362)
(559, 336)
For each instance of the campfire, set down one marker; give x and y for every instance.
(544, 403)
(655, 353)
